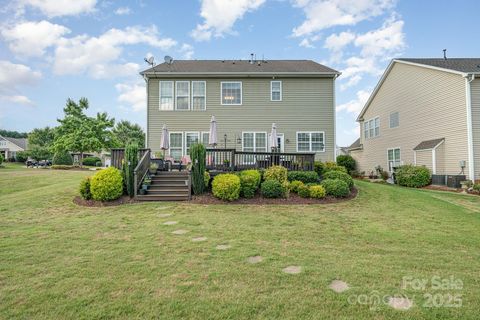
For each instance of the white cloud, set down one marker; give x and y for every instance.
(187, 51)
(306, 43)
(220, 16)
(56, 8)
(12, 78)
(133, 95)
(122, 11)
(336, 42)
(384, 41)
(324, 14)
(32, 38)
(355, 106)
(98, 56)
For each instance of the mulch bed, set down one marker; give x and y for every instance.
(259, 200)
(93, 203)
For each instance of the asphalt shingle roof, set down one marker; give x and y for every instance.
(467, 65)
(242, 66)
(356, 144)
(428, 144)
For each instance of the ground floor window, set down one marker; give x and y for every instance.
(176, 145)
(254, 141)
(313, 141)
(393, 158)
(190, 139)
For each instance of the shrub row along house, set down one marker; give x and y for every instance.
(424, 112)
(246, 97)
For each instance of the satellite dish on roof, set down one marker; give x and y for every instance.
(168, 59)
(150, 60)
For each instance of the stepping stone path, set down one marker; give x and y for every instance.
(292, 270)
(164, 215)
(170, 223)
(399, 303)
(180, 231)
(339, 286)
(255, 259)
(223, 247)
(199, 239)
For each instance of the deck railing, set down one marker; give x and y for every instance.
(232, 160)
(141, 171)
(118, 155)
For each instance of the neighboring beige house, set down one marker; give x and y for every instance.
(424, 112)
(10, 146)
(246, 97)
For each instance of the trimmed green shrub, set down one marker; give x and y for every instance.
(333, 166)
(303, 191)
(413, 176)
(107, 184)
(249, 181)
(476, 187)
(347, 161)
(198, 155)
(317, 192)
(273, 189)
(304, 176)
(294, 185)
(130, 162)
(206, 179)
(85, 189)
(62, 158)
(1, 159)
(336, 188)
(22, 156)
(318, 167)
(277, 173)
(339, 175)
(91, 161)
(226, 187)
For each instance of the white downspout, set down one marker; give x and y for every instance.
(415, 157)
(334, 121)
(471, 164)
(434, 161)
(146, 131)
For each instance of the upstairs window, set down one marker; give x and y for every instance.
(231, 93)
(394, 120)
(182, 95)
(310, 141)
(372, 128)
(198, 95)
(166, 95)
(276, 90)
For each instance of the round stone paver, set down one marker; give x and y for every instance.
(164, 215)
(180, 231)
(223, 246)
(255, 259)
(400, 303)
(292, 269)
(339, 286)
(170, 223)
(199, 239)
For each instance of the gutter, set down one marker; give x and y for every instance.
(241, 74)
(146, 131)
(468, 93)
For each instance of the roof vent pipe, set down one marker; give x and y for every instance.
(445, 54)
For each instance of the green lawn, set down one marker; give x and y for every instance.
(58, 260)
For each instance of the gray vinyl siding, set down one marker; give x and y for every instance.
(431, 105)
(307, 105)
(475, 91)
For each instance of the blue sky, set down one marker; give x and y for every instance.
(51, 50)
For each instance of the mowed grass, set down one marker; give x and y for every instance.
(62, 261)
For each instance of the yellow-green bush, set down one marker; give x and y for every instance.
(226, 187)
(107, 184)
(206, 179)
(333, 166)
(249, 181)
(317, 192)
(277, 173)
(294, 185)
(303, 191)
(339, 175)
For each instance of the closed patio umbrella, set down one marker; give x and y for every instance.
(164, 143)
(212, 136)
(274, 137)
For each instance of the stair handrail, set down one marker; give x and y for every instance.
(141, 171)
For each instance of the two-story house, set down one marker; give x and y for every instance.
(424, 112)
(246, 97)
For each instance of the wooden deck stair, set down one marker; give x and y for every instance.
(168, 186)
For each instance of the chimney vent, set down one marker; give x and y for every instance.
(445, 54)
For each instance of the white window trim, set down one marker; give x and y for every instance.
(255, 140)
(399, 160)
(390, 120)
(310, 141)
(160, 95)
(368, 121)
(201, 137)
(204, 95)
(169, 138)
(185, 139)
(271, 90)
(176, 95)
(221, 94)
